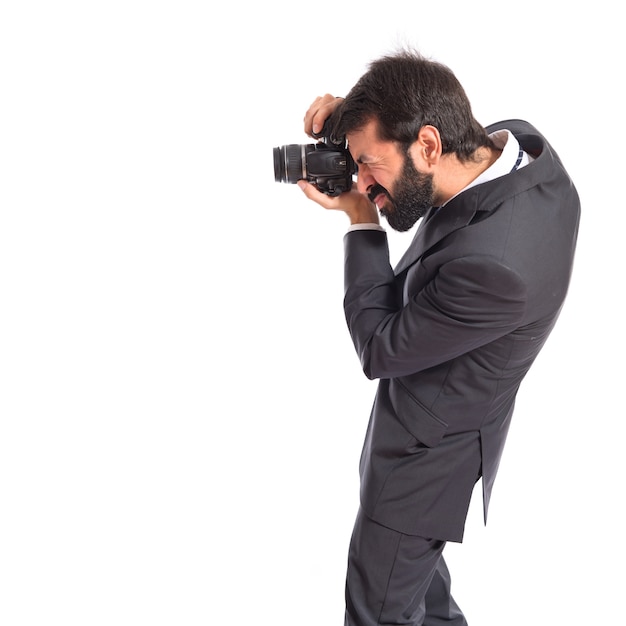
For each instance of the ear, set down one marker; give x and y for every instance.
(426, 150)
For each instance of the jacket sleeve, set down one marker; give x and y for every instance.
(469, 302)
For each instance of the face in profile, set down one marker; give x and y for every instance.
(412, 196)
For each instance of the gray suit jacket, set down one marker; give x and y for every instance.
(452, 331)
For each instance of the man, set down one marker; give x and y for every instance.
(451, 331)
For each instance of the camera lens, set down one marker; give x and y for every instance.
(289, 163)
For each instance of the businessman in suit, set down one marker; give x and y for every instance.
(452, 330)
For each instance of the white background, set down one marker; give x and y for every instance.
(181, 409)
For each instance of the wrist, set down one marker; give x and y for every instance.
(364, 212)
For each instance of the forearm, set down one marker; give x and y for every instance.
(370, 290)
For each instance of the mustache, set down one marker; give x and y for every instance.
(376, 190)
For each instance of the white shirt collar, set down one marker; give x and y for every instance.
(504, 140)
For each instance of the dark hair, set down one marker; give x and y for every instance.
(405, 92)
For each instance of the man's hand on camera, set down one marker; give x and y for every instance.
(318, 112)
(358, 207)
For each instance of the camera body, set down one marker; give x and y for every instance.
(326, 164)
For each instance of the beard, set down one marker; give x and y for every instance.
(413, 196)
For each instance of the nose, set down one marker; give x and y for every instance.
(364, 179)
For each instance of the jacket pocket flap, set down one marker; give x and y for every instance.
(424, 425)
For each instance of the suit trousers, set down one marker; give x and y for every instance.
(395, 579)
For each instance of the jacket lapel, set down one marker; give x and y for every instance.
(436, 224)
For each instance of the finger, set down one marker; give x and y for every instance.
(318, 112)
(310, 114)
(313, 193)
(325, 107)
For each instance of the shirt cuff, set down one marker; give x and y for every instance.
(371, 226)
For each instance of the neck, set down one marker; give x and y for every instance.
(455, 175)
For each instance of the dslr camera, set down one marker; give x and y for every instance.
(327, 164)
